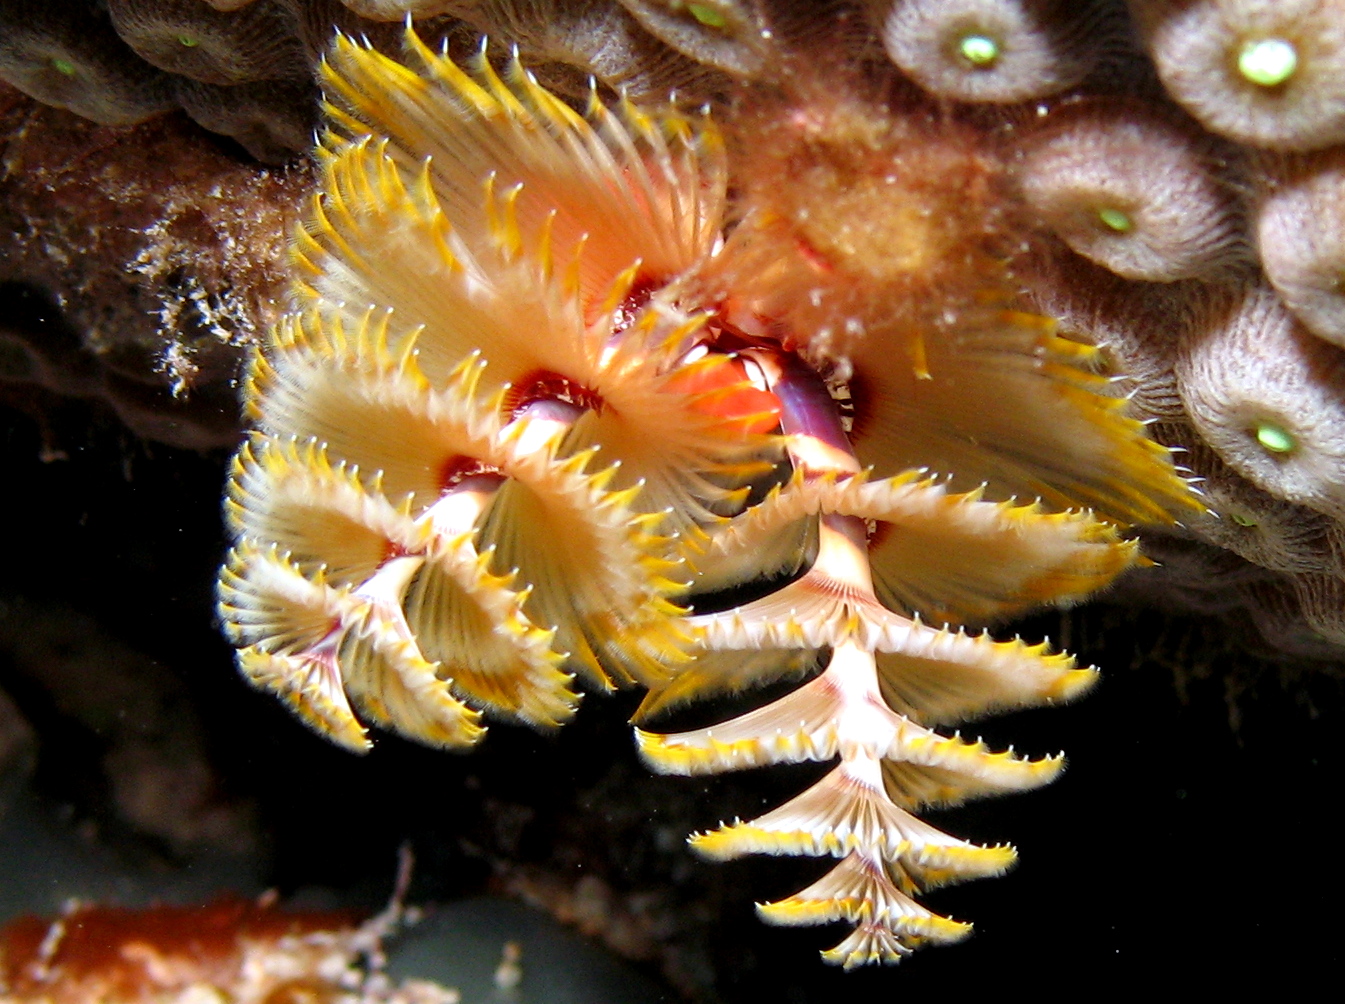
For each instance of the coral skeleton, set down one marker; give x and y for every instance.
(548, 398)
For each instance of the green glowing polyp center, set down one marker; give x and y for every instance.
(1274, 438)
(978, 50)
(188, 41)
(1242, 520)
(1267, 62)
(63, 66)
(707, 15)
(1115, 219)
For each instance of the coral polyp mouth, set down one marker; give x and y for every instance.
(545, 381)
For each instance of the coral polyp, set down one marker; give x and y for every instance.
(549, 397)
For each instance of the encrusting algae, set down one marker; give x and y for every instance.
(552, 390)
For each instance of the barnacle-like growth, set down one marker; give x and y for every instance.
(731, 35)
(1249, 521)
(992, 50)
(190, 38)
(272, 119)
(1177, 220)
(1263, 72)
(1300, 233)
(532, 403)
(1268, 397)
(69, 57)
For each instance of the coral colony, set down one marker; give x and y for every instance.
(549, 394)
